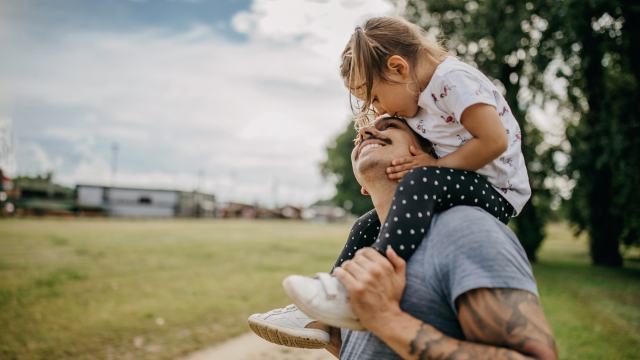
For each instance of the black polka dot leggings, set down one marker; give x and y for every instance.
(421, 193)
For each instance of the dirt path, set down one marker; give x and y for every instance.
(251, 347)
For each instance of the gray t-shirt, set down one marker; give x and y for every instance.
(465, 248)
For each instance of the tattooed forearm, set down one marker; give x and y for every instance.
(425, 340)
(429, 343)
(497, 323)
(506, 317)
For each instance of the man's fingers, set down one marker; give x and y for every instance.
(355, 268)
(376, 259)
(349, 282)
(398, 263)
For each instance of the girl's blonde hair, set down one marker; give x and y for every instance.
(364, 59)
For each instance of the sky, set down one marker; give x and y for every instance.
(234, 97)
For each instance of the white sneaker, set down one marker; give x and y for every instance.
(286, 327)
(322, 297)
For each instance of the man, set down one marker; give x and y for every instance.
(467, 292)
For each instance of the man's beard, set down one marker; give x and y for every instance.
(372, 168)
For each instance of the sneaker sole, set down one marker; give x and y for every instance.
(335, 322)
(286, 337)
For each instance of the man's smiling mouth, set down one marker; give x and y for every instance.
(369, 147)
(371, 144)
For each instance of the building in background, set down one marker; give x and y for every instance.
(140, 202)
(324, 212)
(40, 195)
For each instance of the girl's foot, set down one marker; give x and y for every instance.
(322, 297)
(290, 327)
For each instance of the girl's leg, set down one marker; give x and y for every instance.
(363, 232)
(426, 190)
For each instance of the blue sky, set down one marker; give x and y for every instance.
(246, 93)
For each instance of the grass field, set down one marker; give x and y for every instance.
(100, 289)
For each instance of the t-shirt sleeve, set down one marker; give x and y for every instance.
(482, 254)
(460, 89)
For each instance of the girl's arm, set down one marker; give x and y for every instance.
(488, 143)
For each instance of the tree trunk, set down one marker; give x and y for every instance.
(604, 232)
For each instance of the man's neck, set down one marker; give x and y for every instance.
(381, 195)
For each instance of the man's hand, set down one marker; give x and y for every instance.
(375, 285)
(498, 323)
(399, 167)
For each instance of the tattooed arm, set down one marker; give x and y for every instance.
(497, 323)
(506, 317)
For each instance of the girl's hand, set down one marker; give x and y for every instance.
(399, 167)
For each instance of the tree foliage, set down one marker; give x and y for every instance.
(593, 48)
(502, 38)
(590, 49)
(599, 43)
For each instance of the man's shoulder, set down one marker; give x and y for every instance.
(462, 229)
(469, 248)
(467, 221)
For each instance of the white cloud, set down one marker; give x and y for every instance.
(248, 114)
(321, 25)
(42, 162)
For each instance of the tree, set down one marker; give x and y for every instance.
(599, 42)
(594, 47)
(338, 166)
(502, 38)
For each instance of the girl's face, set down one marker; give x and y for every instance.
(394, 97)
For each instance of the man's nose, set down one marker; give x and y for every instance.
(367, 132)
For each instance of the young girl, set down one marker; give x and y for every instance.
(393, 69)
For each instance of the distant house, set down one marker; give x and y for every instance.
(140, 202)
(40, 195)
(324, 213)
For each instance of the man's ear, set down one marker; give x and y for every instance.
(416, 150)
(397, 65)
(364, 191)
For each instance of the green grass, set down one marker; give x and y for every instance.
(99, 289)
(594, 311)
